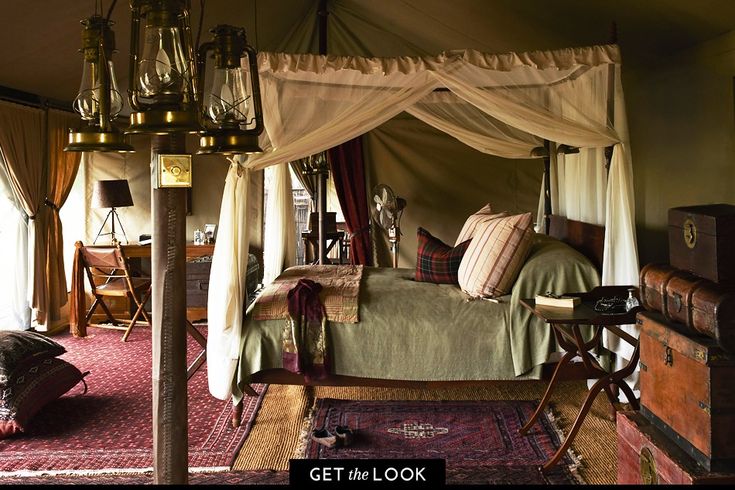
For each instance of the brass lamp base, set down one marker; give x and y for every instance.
(233, 141)
(107, 141)
(163, 122)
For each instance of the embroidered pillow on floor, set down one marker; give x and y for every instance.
(495, 256)
(470, 226)
(30, 388)
(20, 347)
(436, 261)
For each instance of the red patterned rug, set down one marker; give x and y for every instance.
(478, 439)
(110, 427)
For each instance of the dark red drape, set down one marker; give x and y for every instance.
(348, 172)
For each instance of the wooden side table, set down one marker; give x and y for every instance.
(567, 324)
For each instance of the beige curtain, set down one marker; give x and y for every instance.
(22, 141)
(279, 247)
(62, 171)
(227, 289)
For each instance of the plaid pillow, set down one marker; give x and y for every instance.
(436, 261)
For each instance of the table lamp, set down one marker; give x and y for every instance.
(111, 194)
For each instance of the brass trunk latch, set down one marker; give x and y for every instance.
(668, 356)
(648, 467)
(676, 297)
(690, 233)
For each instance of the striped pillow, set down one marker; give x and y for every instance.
(470, 226)
(495, 256)
(436, 261)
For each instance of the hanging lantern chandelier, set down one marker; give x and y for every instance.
(166, 83)
(99, 101)
(161, 76)
(231, 107)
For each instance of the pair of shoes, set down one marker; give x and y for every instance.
(342, 436)
(324, 437)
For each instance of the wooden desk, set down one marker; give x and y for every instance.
(136, 251)
(565, 323)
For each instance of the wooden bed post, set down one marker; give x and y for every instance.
(322, 14)
(547, 186)
(611, 94)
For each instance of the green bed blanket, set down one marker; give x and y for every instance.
(411, 330)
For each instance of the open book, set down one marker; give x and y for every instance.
(557, 301)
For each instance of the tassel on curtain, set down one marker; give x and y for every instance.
(348, 171)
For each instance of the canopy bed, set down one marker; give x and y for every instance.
(516, 105)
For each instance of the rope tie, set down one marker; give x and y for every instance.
(51, 205)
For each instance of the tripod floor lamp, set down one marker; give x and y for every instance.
(111, 194)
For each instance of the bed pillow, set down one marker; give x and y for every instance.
(30, 388)
(436, 261)
(475, 220)
(495, 256)
(20, 347)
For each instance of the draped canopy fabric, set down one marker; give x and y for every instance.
(501, 104)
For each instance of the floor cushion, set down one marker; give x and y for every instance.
(20, 347)
(32, 386)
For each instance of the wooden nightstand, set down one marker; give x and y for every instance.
(567, 324)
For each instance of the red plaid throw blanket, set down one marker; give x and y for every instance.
(339, 294)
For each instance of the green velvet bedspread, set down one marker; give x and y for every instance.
(420, 331)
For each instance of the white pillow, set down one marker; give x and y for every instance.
(495, 255)
(470, 226)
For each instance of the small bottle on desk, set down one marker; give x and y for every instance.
(632, 301)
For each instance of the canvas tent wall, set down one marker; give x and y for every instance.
(572, 97)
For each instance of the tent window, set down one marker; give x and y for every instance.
(15, 313)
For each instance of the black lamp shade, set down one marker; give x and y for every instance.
(111, 194)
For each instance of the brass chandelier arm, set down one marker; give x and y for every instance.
(134, 44)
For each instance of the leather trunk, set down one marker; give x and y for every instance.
(700, 305)
(687, 390)
(197, 283)
(647, 456)
(701, 241)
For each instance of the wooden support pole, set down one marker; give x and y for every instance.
(168, 268)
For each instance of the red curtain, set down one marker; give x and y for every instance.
(348, 172)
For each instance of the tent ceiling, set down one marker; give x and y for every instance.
(40, 38)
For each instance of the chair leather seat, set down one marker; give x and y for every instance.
(118, 287)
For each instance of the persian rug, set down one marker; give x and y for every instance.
(256, 477)
(109, 428)
(478, 439)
